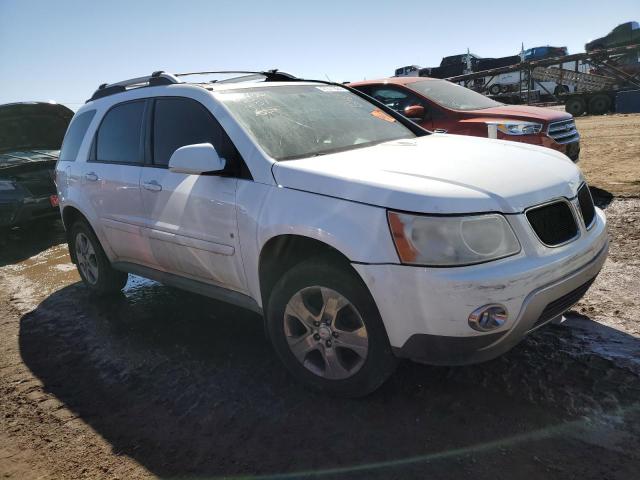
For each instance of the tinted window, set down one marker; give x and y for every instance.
(118, 138)
(453, 96)
(182, 121)
(75, 134)
(394, 98)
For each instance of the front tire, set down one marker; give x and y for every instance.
(326, 329)
(93, 264)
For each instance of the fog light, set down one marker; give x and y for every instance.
(487, 318)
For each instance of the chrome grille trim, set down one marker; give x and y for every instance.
(563, 131)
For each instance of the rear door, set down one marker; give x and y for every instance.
(111, 178)
(190, 220)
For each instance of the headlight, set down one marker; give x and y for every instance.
(519, 128)
(6, 185)
(452, 241)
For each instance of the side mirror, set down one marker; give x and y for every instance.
(196, 159)
(414, 112)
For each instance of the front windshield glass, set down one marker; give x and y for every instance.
(296, 121)
(451, 95)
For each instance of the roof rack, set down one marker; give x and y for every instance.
(162, 78)
(153, 80)
(273, 75)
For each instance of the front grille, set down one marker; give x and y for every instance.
(553, 223)
(563, 131)
(562, 304)
(586, 205)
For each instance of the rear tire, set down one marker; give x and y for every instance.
(326, 329)
(576, 106)
(599, 104)
(93, 264)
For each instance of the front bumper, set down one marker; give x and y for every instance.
(425, 310)
(570, 149)
(540, 307)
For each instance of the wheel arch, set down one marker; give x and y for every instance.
(282, 252)
(70, 214)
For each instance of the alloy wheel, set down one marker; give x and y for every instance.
(86, 258)
(326, 333)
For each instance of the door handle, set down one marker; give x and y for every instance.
(91, 176)
(439, 130)
(152, 186)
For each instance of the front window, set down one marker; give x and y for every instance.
(296, 121)
(450, 95)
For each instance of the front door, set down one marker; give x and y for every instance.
(190, 220)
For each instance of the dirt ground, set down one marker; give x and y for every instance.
(161, 383)
(610, 156)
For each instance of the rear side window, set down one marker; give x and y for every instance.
(75, 134)
(119, 136)
(182, 121)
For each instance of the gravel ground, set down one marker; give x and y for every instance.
(161, 383)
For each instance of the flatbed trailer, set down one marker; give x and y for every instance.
(594, 93)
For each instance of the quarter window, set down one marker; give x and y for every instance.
(181, 121)
(119, 136)
(75, 134)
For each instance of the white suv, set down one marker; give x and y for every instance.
(361, 237)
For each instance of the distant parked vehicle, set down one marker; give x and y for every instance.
(30, 137)
(539, 53)
(624, 34)
(455, 65)
(408, 71)
(440, 105)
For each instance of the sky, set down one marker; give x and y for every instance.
(62, 50)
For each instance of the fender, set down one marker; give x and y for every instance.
(360, 232)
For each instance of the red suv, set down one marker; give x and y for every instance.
(442, 106)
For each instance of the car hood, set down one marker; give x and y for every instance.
(23, 160)
(521, 112)
(31, 126)
(440, 174)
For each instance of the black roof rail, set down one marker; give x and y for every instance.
(155, 79)
(273, 75)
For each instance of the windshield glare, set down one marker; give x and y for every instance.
(451, 95)
(296, 121)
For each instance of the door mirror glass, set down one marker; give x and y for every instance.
(196, 159)
(414, 112)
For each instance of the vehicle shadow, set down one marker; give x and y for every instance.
(602, 198)
(24, 242)
(188, 386)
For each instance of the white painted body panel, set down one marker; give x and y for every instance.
(438, 174)
(213, 228)
(190, 226)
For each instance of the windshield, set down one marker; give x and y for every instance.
(452, 96)
(296, 121)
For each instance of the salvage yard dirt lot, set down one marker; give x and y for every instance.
(161, 383)
(610, 156)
